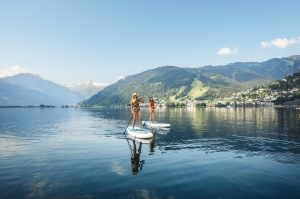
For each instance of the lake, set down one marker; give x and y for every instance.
(207, 153)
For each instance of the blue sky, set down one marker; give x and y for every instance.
(71, 41)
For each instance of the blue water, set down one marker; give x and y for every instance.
(207, 153)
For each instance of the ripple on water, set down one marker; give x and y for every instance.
(85, 154)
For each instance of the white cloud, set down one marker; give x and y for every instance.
(13, 70)
(227, 51)
(121, 77)
(280, 43)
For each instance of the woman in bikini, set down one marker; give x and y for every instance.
(135, 109)
(152, 109)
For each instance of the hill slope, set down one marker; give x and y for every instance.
(272, 69)
(13, 95)
(203, 83)
(164, 82)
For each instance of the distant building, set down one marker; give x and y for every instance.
(292, 103)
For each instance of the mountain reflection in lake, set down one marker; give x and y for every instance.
(207, 153)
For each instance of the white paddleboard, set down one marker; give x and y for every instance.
(142, 140)
(139, 133)
(156, 124)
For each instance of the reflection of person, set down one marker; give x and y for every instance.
(135, 109)
(152, 143)
(135, 158)
(152, 109)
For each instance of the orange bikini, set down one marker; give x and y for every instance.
(152, 105)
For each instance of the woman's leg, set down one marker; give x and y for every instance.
(150, 114)
(154, 113)
(140, 117)
(133, 121)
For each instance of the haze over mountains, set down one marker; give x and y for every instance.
(29, 89)
(203, 83)
(14, 95)
(88, 88)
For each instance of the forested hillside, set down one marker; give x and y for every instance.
(289, 87)
(204, 83)
(167, 83)
(272, 69)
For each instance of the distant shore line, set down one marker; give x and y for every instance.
(39, 106)
(95, 107)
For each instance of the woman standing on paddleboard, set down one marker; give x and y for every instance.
(152, 109)
(135, 109)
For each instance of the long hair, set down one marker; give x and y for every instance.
(151, 99)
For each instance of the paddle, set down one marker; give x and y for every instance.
(150, 114)
(128, 123)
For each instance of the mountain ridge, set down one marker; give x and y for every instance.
(34, 82)
(14, 95)
(172, 82)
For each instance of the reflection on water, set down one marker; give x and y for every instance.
(270, 132)
(152, 143)
(207, 153)
(136, 163)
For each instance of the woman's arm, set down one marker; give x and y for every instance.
(131, 106)
(141, 100)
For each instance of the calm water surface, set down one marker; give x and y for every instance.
(207, 153)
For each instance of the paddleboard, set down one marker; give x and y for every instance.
(156, 124)
(142, 140)
(139, 133)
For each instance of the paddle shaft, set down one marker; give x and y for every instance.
(128, 123)
(150, 114)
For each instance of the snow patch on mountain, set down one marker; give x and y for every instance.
(88, 88)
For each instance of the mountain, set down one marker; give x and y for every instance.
(272, 69)
(168, 83)
(204, 83)
(14, 95)
(59, 94)
(287, 89)
(88, 88)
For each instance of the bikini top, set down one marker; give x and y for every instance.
(136, 103)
